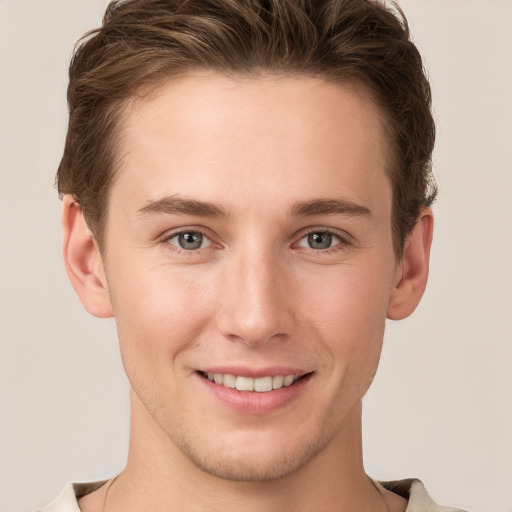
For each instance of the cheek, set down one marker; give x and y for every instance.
(158, 315)
(348, 299)
(347, 314)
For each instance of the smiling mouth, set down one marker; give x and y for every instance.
(260, 384)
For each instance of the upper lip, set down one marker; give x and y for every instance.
(255, 373)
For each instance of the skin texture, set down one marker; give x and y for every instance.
(255, 295)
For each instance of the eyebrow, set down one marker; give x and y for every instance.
(329, 207)
(175, 205)
(183, 206)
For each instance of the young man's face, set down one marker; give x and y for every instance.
(249, 236)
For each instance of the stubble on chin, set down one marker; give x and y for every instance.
(255, 464)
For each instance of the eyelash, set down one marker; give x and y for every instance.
(343, 241)
(180, 250)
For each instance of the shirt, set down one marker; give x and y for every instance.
(411, 489)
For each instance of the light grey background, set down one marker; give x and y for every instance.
(440, 407)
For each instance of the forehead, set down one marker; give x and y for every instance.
(197, 134)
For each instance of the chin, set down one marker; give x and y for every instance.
(253, 467)
(257, 460)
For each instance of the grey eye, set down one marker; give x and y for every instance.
(320, 240)
(189, 240)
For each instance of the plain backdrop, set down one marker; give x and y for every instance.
(440, 407)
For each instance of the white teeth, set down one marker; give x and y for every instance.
(229, 381)
(288, 380)
(261, 384)
(277, 381)
(244, 384)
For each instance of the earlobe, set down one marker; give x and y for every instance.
(411, 279)
(83, 261)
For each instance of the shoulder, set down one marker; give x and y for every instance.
(67, 500)
(419, 500)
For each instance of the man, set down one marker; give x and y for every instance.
(246, 189)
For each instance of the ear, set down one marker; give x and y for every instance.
(83, 261)
(412, 272)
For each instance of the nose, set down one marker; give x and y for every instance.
(256, 304)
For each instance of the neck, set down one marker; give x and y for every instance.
(158, 477)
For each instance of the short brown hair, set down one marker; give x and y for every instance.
(143, 42)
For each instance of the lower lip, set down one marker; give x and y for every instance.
(254, 402)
